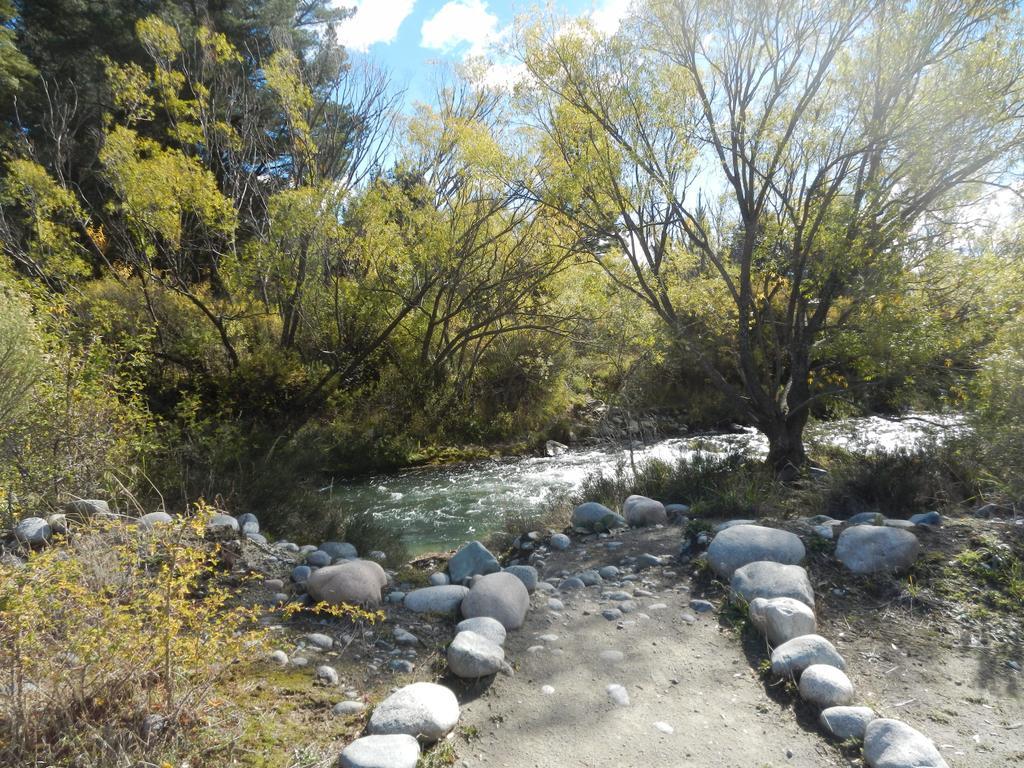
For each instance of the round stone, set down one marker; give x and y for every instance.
(793, 657)
(767, 579)
(744, 544)
(425, 710)
(641, 511)
(440, 600)
(500, 596)
(395, 751)
(894, 744)
(871, 549)
(782, 618)
(356, 582)
(825, 686)
(485, 626)
(560, 541)
(473, 656)
(846, 722)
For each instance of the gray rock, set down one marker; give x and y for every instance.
(339, 550)
(472, 656)
(395, 597)
(346, 708)
(826, 686)
(326, 675)
(589, 578)
(321, 641)
(866, 518)
(500, 596)
(560, 541)
(608, 572)
(259, 538)
(904, 524)
(933, 519)
(221, 524)
(58, 523)
(425, 710)
(846, 722)
(766, 579)
(526, 574)
(555, 604)
(397, 751)
(33, 531)
(793, 657)
(894, 744)
(83, 509)
(870, 549)
(305, 549)
(401, 665)
(356, 582)
(301, 574)
(441, 600)
(404, 637)
(641, 511)
(617, 596)
(743, 544)
(612, 614)
(151, 520)
(472, 559)
(438, 579)
(318, 559)
(567, 585)
(279, 657)
(554, 448)
(589, 514)
(676, 512)
(485, 626)
(618, 695)
(702, 606)
(378, 556)
(647, 560)
(782, 618)
(249, 522)
(287, 546)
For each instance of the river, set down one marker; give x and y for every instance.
(438, 508)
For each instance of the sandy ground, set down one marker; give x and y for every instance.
(694, 677)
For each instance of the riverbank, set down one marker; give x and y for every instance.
(634, 633)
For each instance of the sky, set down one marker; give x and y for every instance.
(410, 37)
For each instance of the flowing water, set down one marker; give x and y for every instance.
(438, 508)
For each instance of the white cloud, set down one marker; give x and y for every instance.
(607, 16)
(461, 21)
(375, 21)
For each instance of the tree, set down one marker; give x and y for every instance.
(796, 160)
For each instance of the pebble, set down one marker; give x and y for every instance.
(612, 657)
(618, 695)
(401, 665)
(300, 661)
(570, 584)
(548, 638)
(608, 572)
(326, 675)
(617, 596)
(560, 542)
(689, 618)
(547, 690)
(279, 657)
(556, 605)
(825, 686)
(405, 637)
(664, 727)
(702, 606)
(612, 614)
(348, 708)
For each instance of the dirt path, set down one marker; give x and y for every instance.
(679, 667)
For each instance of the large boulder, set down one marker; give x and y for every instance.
(500, 596)
(826, 686)
(894, 744)
(397, 751)
(356, 582)
(870, 549)
(484, 626)
(782, 618)
(641, 511)
(769, 580)
(846, 722)
(441, 600)
(33, 531)
(472, 656)
(425, 710)
(472, 559)
(792, 658)
(589, 514)
(743, 544)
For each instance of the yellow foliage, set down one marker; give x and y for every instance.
(108, 625)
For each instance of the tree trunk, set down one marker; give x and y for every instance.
(786, 454)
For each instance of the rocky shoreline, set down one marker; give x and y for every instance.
(468, 606)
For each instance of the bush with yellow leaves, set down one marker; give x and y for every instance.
(111, 641)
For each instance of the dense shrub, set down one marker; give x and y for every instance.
(110, 642)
